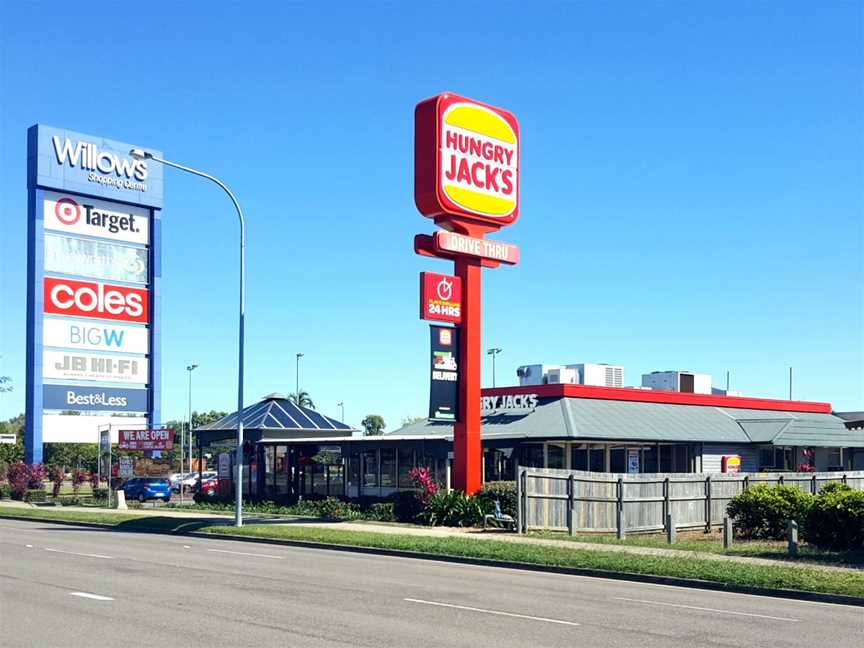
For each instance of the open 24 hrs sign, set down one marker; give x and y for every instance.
(440, 297)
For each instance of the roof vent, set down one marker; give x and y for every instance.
(274, 396)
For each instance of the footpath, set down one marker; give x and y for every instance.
(443, 532)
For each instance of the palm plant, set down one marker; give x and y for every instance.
(302, 399)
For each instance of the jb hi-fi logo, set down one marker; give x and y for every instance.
(69, 212)
(105, 167)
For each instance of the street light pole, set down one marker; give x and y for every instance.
(493, 352)
(297, 377)
(341, 404)
(189, 368)
(140, 154)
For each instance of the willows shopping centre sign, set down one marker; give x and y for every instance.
(93, 284)
(466, 178)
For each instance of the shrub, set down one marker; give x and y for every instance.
(35, 495)
(78, 478)
(761, 512)
(70, 501)
(406, 506)
(4, 470)
(335, 509)
(100, 493)
(423, 482)
(455, 509)
(4, 491)
(57, 475)
(23, 477)
(504, 492)
(836, 518)
(94, 482)
(382, 512)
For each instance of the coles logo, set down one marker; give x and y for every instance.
(67, 211)
(475, 150)
(95, 299)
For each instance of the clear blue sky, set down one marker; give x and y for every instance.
(691, 185)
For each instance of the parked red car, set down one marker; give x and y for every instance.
(209, 487)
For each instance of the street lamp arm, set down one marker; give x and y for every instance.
(212, 179)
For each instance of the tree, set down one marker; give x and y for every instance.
(302, 399)
(373, 425)
(411, 420)
(5, 384)
(12, 452)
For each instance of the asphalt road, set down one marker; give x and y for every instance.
(70, 586)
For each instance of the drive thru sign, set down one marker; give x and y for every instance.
(466, 178)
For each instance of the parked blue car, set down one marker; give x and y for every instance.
(147, 488)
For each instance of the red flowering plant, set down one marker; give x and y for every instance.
(423, 482)
(23, 477)
(94, 480)
(78, 478)
(57, 475)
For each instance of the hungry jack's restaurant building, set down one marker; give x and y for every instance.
(296, 452)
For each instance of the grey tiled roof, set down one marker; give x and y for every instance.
(584, 418)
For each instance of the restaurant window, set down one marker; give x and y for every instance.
(649, 459)
(775, 458)
(597, 459)
(406, 463)
(682, 458)
(555, 456)
(335, 480)
(319, 472)
(370, 468)
(281, 471)
(665, 453)
(531, 456)
(618, 460)
(388, 467)
(578, 458)
(354, 470)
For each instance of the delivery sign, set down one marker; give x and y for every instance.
(466, 161)
(440, 297)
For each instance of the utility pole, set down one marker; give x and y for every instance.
(790, 383)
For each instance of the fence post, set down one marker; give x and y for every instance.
(780, 480)
(844, 479)
(523, 500)
(666, 510)
(571, 526)
(708, 504)
(792, 533)
(813, 484)
(519, 514)
(622, 520)
(727, 532)
(670, 529)
(746, 483)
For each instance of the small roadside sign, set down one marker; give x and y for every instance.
(7, 438)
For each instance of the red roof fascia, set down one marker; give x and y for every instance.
(657, 396)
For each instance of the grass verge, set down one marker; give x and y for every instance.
(713, 543)
(727, 573)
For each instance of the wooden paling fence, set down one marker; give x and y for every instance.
(577, 501)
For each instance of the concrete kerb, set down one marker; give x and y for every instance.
(818, 597)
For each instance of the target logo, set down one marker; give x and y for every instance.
(67, 211)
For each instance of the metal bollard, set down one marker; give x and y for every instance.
(727, 532)
(792, 534)
(670, 529)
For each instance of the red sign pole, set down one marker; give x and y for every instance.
(467, 449)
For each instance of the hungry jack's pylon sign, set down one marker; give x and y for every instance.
(466, 178)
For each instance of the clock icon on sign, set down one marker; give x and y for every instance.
(445, 289)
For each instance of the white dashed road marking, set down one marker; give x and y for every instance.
(704, 609)
(75, 553)
(95, 597)
(495, 612)
(243, 553)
